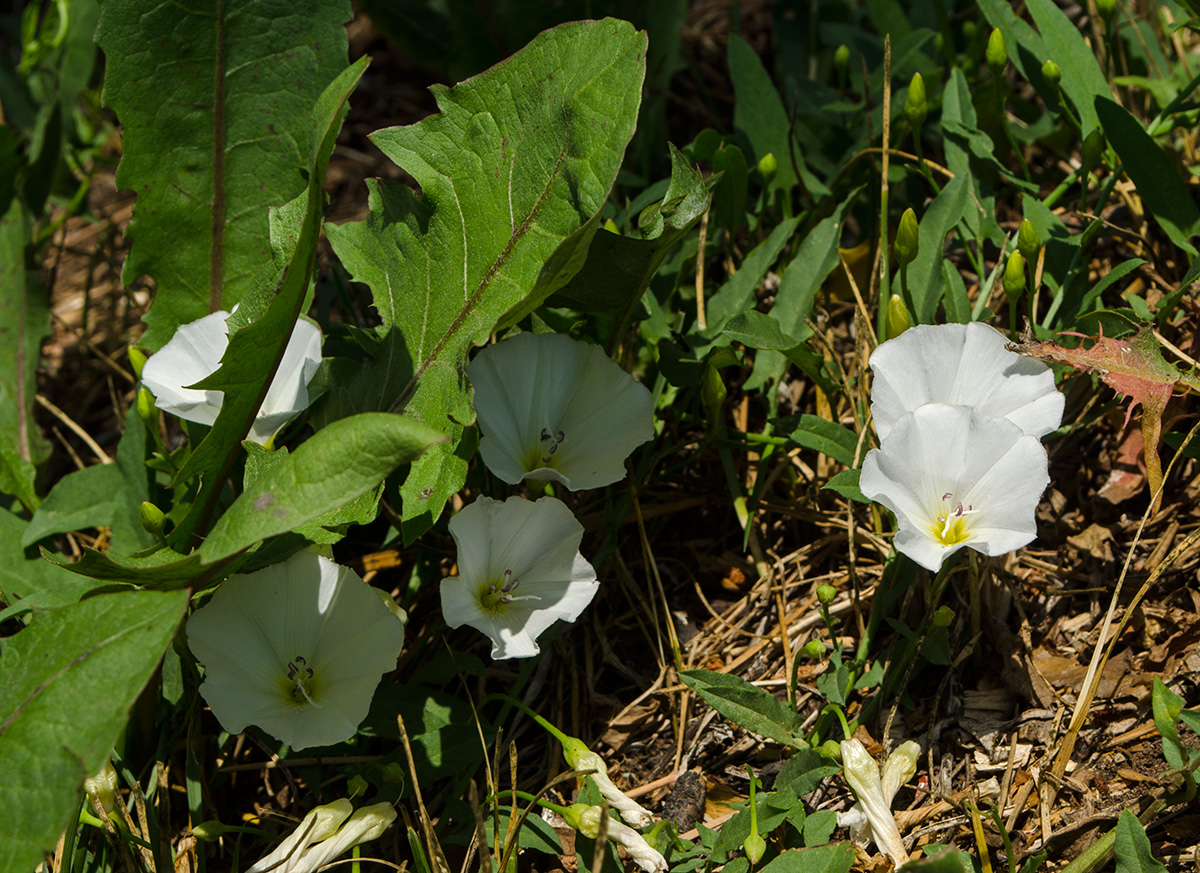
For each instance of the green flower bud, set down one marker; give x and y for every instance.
(841, 59)
(767, 167)
(939, 44)
(1028, 241)
(970, 30)
(102, 788)
(907, 238)
(392, 773)
(755, 847)
(897, 317)
(813, 650)
(997, 53)
(137, 360)
(210, 831)
(1106, 8)
(1093, 150)
(831, 749)
(826, 593)
(915, 106)
(611, 226)
(145, 407)
(1052, 74)
(712, 392)
(943, 617)
(152, 517)
(1014, 276)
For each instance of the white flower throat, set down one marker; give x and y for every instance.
(951, 527)
(499, 594)
(550, 443)
(301, 677)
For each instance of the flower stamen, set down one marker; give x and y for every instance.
(301, 675)
(951, 528)
(554, 440)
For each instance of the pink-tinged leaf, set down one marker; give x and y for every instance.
(1131, 366)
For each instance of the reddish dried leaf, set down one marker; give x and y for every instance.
(1132, 366)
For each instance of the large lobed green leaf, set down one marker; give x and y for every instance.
(513, 172)
(214, 99)
(67, 683)
(261, 328)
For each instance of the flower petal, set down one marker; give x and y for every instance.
(193, 353)
(962, 365)
(306, 614)
(989, 465)
(535, 546)
(547, 396)
(288, 394)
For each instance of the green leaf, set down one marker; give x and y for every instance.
(67, 684)
(269, 315)
(1132, 847)
(1082, 79)
(845, 483)
(24, 323)
(827, 437)
(17, 475)
(834, 858)
(736, 295)
(1028, 50)
(804, 771)
(948, 860)
(761, 122)
(214, 100)
(513, 172)
(619, 268)
(925, 272)
(20, 575)
(759, 330)
(798, 286)
(1153, 174)
(744, 704)
(340, 463)
(128, 534)
(79, 500)
(360, 510)
(441, 728)
(164, 569)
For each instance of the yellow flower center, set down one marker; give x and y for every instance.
(951, 527)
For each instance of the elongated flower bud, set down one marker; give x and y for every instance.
(997, 53)
(897, 317)
(1014, 276)
(1028, 241)
(1106, 8)
(915, 105)
(907, 238)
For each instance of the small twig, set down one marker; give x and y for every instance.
(75, 428)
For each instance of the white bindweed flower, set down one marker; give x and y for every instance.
(962, 365)
(957, 478)
(296, 648)
(326, 832)
(871, 818)
(586, 820)
(580, 757)
(519, 571)
(554, 408)
(195, 352)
